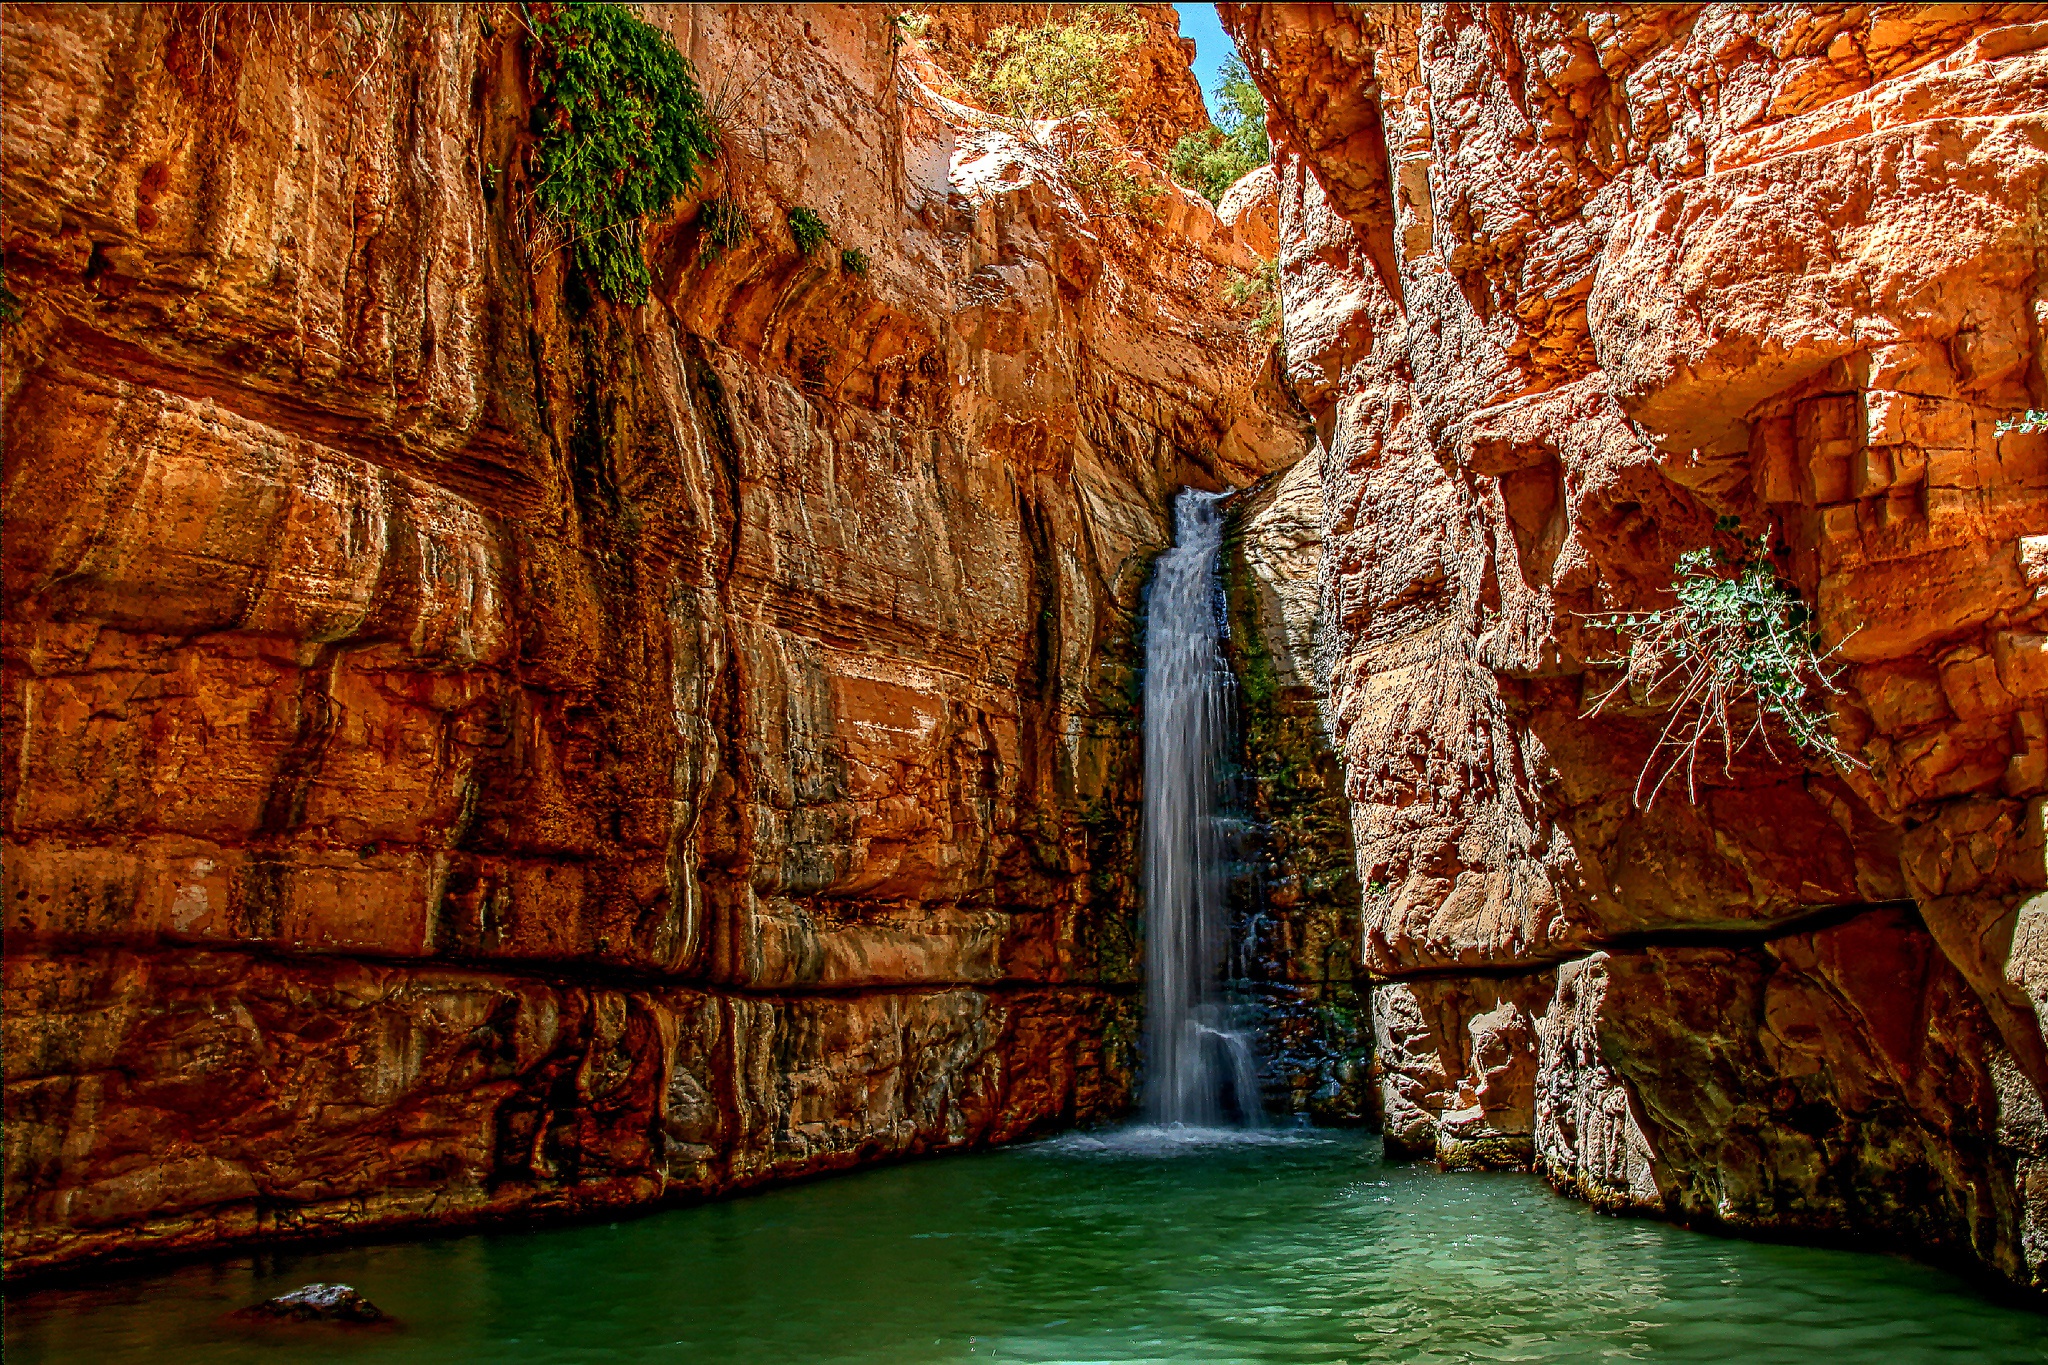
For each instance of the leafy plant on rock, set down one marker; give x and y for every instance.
(621, 132)
(1066, 72)
(2033, 419)
(1269, 318)
(1212, 160)
(1102, 172)
(1737, 651)
(1055, 70)
(854, 261)
(807, 229)
(1261, 286)
(906, 26)
(722, 225)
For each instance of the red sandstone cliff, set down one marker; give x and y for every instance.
(1563, 285)
(475, 750)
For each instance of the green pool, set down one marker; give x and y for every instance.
(1126, 1246)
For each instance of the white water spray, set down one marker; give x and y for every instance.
(1198, 1070)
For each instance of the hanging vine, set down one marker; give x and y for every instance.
(621, 132)
(1737, 652)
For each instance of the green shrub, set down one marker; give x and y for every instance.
(1217, 157)
(2033, 419)
(904, 26)
(1055, 70)
(1099, 171)
(1066, 69)
(854, 261)
(1242, 288)
(807, 229)
(621, 133)
(1737, 651)
(1260, 286)
(1270, 317)
(722, 226)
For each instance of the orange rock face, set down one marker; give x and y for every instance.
(1161, 100)
(478, 750)
(1564, 285)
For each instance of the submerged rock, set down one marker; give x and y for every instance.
(316, 1303)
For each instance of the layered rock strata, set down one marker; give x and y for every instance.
(476, 750)
(1563, 286)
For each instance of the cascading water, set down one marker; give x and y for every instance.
(1198, 1070)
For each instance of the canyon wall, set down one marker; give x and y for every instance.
(475, 750)
(1294, 898)
(1564, 286)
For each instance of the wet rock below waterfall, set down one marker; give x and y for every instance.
(316, 1303)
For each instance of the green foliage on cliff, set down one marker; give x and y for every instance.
(1297, 900)
(722, 226)
(807, 229)
(2033, 419)
(1103, 174)
(620, 132)
(1066, 70)
(1261, 286)
(854, 261)
(1055, 70)
(1737, 651)
(1217, 157)
(906, 26)
(1258, 680)
(1282, 751)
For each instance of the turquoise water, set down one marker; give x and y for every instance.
(1130, 1246)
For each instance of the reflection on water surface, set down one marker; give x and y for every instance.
(1130, 1245)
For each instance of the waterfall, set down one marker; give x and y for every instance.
(1198, 1070)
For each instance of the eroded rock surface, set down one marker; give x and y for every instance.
(1294, 902)
(476, 750)
(1564, 285)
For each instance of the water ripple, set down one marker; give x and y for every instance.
(1159, 1244)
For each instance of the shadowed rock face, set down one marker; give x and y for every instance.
(478, 751)
(1295, 898)
(1563, 285)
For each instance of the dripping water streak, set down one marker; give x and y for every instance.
(1198, 1070)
